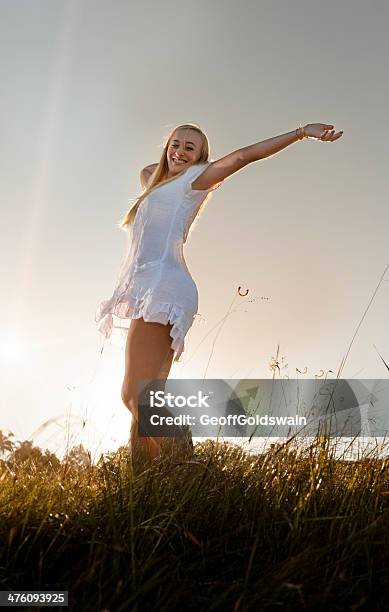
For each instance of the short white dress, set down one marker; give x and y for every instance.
(154, 281)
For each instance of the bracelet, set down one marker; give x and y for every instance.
(300, 133)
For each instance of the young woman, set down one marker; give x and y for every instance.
(156, 299)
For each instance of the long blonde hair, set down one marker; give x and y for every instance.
(158, 177)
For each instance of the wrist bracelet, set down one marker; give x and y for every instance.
(300, 133)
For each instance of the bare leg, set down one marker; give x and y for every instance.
(148, 355)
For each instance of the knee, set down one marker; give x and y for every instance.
(127, 394)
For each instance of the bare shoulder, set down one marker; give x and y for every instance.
(150, 169)
(145, 174)
(219, 170)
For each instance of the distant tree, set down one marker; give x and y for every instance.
(6, 444)
(78, 458)
(28, 455)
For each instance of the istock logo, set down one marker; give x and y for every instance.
(159, 399)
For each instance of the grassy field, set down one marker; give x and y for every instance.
(225, 530)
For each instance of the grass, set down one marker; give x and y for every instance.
(224, 530)
(295, 527)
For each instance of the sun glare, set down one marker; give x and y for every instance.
(13, 348)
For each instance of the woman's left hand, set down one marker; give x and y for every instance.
(322, 131)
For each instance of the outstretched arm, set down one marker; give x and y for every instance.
(221, 168)
(263, 149)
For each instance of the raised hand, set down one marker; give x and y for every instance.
(322, 131)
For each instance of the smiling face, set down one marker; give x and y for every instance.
(184, 149)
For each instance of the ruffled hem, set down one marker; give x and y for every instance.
(113, 318)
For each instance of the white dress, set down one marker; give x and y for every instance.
(154, 281)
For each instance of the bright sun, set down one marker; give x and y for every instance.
(13, 348)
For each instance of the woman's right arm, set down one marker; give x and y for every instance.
(146, 173)
(150, 168)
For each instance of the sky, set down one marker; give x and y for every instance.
(90, 90)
